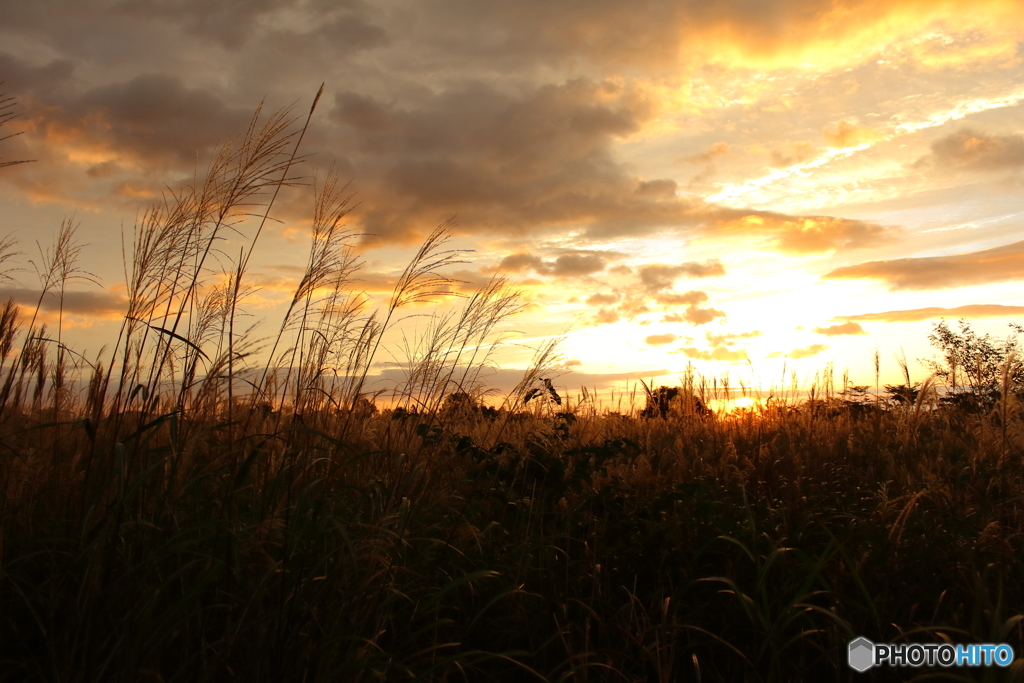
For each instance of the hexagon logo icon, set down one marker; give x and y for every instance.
(862, 655)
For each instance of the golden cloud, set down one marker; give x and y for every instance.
(970, 149)
(572, 264)
(702, 316)
(101, 304)
(844, 328)
(800, 33)
(807, 234)
(691, 298)
(717, 353)
(730, 338)
(916, 314)
(846, 134)
(714, 151)
(660, 339)
(603, 299)
(997, 264)
(657, 276)
(805, 352)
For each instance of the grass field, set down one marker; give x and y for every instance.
(175, 511)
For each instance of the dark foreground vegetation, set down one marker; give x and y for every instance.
(190, 516)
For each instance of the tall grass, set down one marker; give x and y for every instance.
(195, 513)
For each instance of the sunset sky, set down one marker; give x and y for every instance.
(741, 185)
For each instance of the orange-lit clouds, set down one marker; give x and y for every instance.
(969, 149)
(660, 339)
(564, 137)
(942, 272)
(811, 234)
(729, 338)
(691, 298)
(804, 352)
(846, 134)
(844, 328)
(916, 314)
(658, 276)
(567, 265)
(717, 353)
(93, 304)
(652, 287)
(733, 33)
(716, 150)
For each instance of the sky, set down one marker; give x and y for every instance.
(751, 189)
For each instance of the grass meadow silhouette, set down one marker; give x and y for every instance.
(175, 509)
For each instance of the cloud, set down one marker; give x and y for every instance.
(846, 134)
(657, 277)
(662, 36)
(538, 162)
(574, 264)
(691, 298)
(809, 234)
(502, 162)
(603, 299)
(717, 353)
(634, 303)
(713, 152)
(969, 149)
(997, 264)
(525, 161)
(796, 153)
(721, 347)
(702, 316)
(660, 339)
(656, 188)
(517, 263)
(916, 314)
(730, 338)
(28, 80)
(101, 304)
(805, 352)
(844, 328)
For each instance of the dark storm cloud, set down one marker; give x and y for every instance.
(969, 149)
(998, 264)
